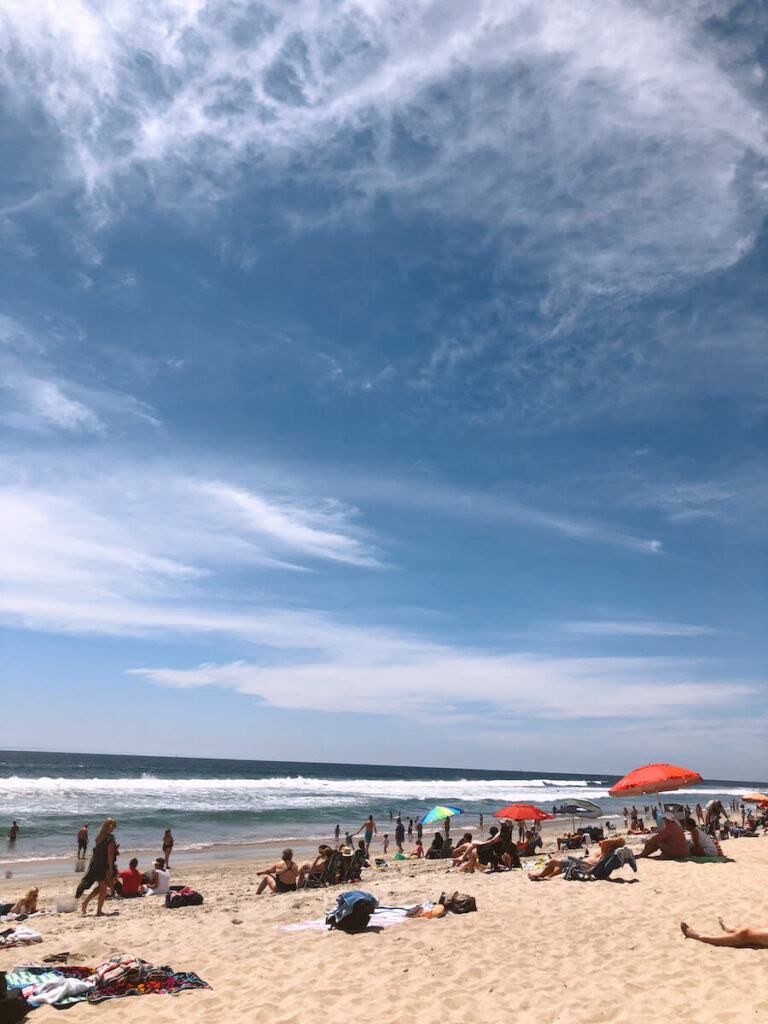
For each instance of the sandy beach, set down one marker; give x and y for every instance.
(549, 952)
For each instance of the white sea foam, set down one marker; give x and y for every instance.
(146, 793)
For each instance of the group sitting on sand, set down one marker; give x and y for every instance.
(105, 880)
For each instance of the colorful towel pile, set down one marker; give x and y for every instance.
(121, 976)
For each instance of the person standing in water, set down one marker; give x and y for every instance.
(369, 829)
(167, 847)
(82, 842)
(13, 832)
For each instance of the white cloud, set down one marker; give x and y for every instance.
(310, 530)
(640, 628)
(102, 548)
(447, 682)
(38, 397)
(491, 507)
(41, 405)
(622, 143)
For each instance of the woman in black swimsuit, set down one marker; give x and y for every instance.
(281, 877)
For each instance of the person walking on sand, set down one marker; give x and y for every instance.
(369, 829)
(739, 938)
(337, 833)
(13, 832)
(167, 847)
(481, 822)
(699, 814)
(410, 829)
(82, 842)
(101, 868)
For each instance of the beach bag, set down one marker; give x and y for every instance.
(352, 911)
(459, 903)
(182, 896)
(13, 1006)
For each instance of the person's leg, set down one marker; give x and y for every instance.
(650, 847)
(737, 938)
(267, 882)
(100, 899)
(554, 866)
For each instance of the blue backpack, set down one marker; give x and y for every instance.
(352, 911)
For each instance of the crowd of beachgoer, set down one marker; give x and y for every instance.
(103, 877)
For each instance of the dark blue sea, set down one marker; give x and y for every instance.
(208, 802)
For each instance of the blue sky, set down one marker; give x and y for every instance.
(386, 381)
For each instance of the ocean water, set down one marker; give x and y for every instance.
(208, 802)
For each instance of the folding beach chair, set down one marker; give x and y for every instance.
(330, 875)
(579, 871)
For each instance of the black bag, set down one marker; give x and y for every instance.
(459, 903)
(352, 911)
(182, 896)
(13, 1006)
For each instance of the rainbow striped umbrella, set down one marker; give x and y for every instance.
(439, 813)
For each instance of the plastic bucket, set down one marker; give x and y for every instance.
(66, 904)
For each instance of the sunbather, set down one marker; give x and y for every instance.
(556, 865)
(739, 938)
(282, 876)
(27, 904)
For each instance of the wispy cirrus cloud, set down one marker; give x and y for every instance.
(623, 144)
(40, 397)
(118, 541)
(640, 628)
(494, 506)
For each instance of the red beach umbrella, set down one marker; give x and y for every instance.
(654, 778)
(522, 812)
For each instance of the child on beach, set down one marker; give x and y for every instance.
(419, 851)
(386, 843)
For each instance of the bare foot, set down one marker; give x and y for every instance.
(687, 931)
(725, 926)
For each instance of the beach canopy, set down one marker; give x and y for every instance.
(755, 798)
(522, 812)
(654, 778)
(581, 809)
(439, 813)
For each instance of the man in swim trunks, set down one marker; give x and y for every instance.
(82, 842)
(369, 829)
(281, 877)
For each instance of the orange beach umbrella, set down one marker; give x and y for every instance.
(522, 812)
(654, 778)
(755, 798)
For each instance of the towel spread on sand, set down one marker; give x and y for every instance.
(382, 917)
(39, 984)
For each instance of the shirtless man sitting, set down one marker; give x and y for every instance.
(670, 841)
(556, 865)
(281, 877)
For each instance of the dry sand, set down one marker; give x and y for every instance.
(556, 951)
